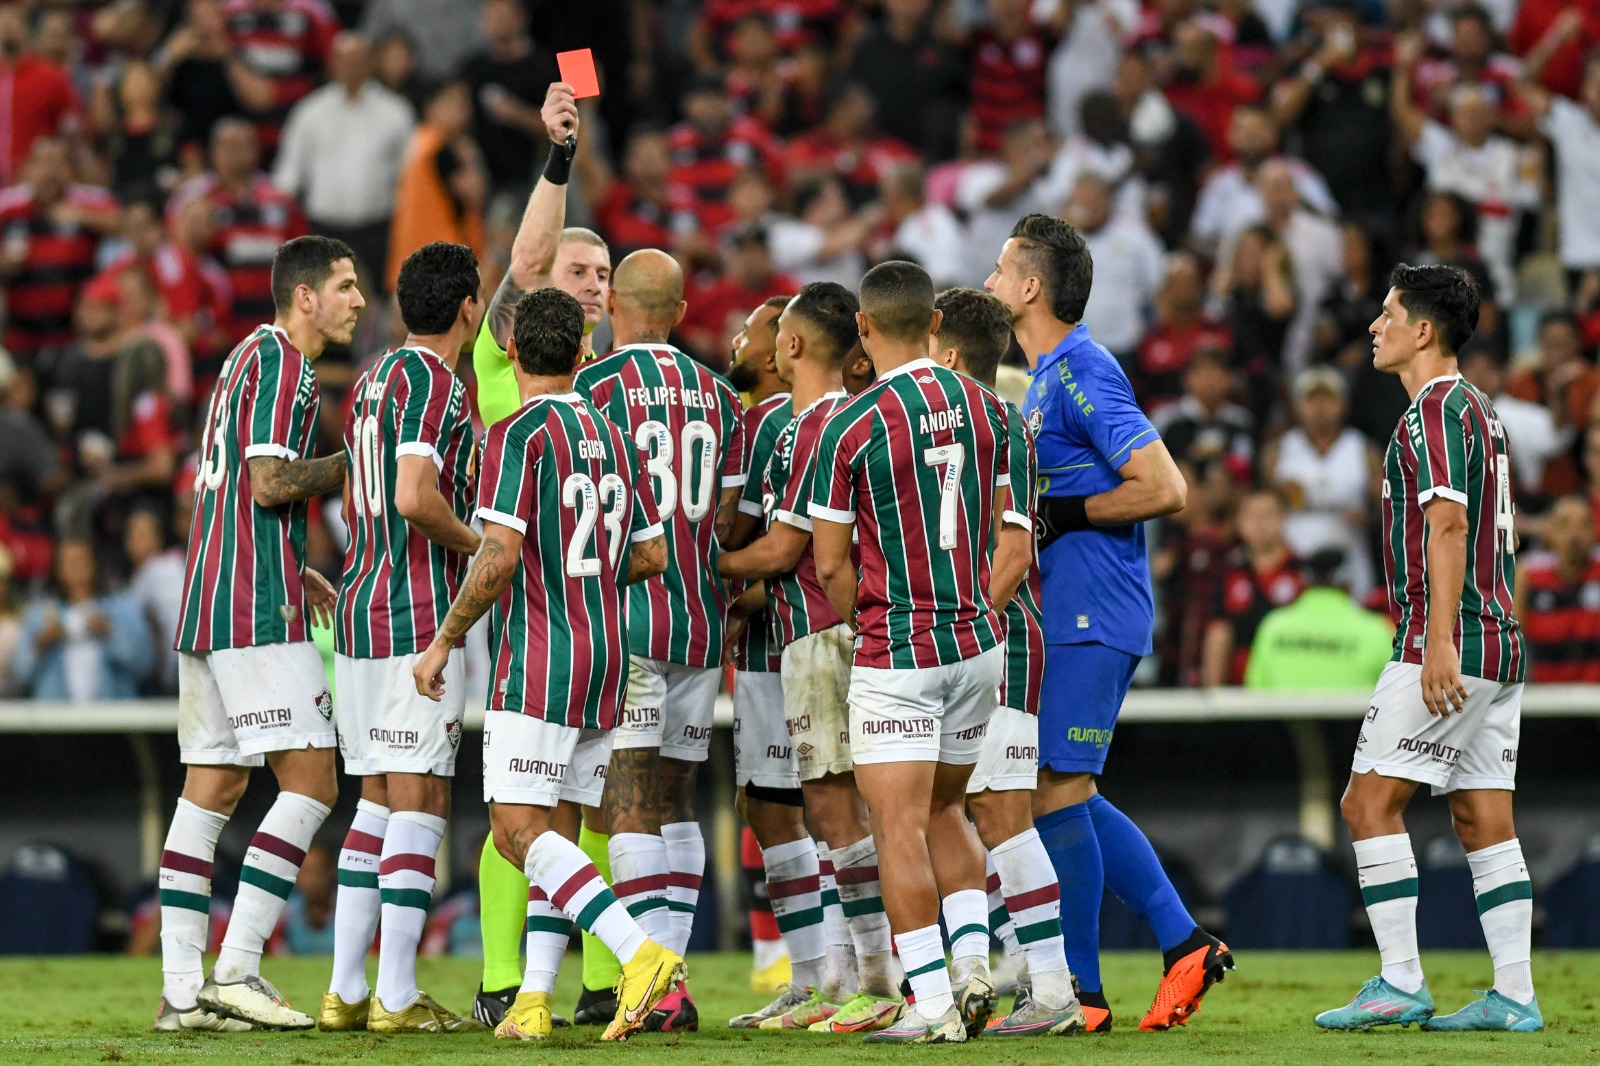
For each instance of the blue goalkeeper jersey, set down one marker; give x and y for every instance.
(1085, 423)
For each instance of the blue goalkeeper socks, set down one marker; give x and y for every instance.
(1069, 836)
(1134, 873)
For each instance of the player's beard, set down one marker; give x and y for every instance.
(743, 377)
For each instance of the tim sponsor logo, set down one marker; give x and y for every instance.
(395, 738)
(913, 728)
(639, 717)
(276, 718)
(1439, 752)
(539, 767)
(1022, 752)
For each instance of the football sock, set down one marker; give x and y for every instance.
(1033, 900)
(966, 916)
(405, 884)
(1505, 908)
(639, 863)
(766, 941)
(855, 871)
(185, 899)
(1069, 839)
(271, 864)
(502, 912)
(794, 886)
(922, 954)
(686, 865)
(600, 967)
(1134, 873)
(355, 907)
(1388, 875)
(840, 978)
(1000, 923)
(548, 933)
(566, 875)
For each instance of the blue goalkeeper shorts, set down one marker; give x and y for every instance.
(1084, 686)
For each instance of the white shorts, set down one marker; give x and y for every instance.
(762, 752)
(1009, 758)
(816, 704)
(1473, 749)
(235, 705)
(939, 714)
(386, 727)
(668, 706)
(529, 761)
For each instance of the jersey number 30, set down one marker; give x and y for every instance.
(655, 441)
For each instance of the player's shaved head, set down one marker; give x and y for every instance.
(897, 301)
(824, 313)
(647, 289)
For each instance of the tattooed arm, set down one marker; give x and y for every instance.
(275, 482)
(647, 559)
(492, 570)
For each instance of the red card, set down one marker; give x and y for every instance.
(577, 70)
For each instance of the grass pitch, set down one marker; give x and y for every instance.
(97, 1009)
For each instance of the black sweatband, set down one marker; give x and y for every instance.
(1059, 515)
(788, 797)
(558, 164)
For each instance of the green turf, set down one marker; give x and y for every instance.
(97, 1010)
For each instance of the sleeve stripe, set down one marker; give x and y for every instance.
(418, 448)
(750, 507)
(1444, 492)
(275, 451)
(647, 533)
(1132, 442)
(501, 518)
(828, 514)
(798, 521)
(1017, 518)
(733, 481)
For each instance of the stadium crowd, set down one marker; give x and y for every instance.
(1245, 174)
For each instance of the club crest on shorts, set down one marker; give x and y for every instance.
(325, 705)
(452, 733)
(289, 613)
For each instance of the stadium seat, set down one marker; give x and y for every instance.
(1291, 899)
(1573, 903)
(1447, 914)
(48, 903)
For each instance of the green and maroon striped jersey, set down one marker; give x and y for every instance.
(1022, 682)
(687, 423)
(758, 650)
(243, 584)
(572, 484)
(914, 462)
(1450, 445)
(397, 583)
(799, 606)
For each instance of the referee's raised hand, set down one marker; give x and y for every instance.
(560, 113)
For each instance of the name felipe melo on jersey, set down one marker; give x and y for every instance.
(670, 396)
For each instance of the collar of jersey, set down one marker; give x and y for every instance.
(1430, 383)
(644, 346)
(916, 364)
(1076, 339)
(835, 395)
(559, 397)
(423, 348)
(273, 327)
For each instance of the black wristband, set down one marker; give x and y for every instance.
(1059, 515)
(558, 164)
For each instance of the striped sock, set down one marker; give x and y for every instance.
(185, 897)
(966, 916)
(855, 868)
(922, 954)
(355, 909)
(686, 865)
(795, 887)
(839, 979)
(1388, 874)
(1000, 923)
(1505, 908)
(640, 871)
(1033, 901)
(566, 875)
(600, 967)
(548, 932)
(405, 884)
(271, 864)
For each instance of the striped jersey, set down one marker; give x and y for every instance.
(757, 649)
(799, 606)
(1450, 444)
(1023, 681)
(242, 585)
(687, 423)
(571, 483)
(914, 462)
(397, 583)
